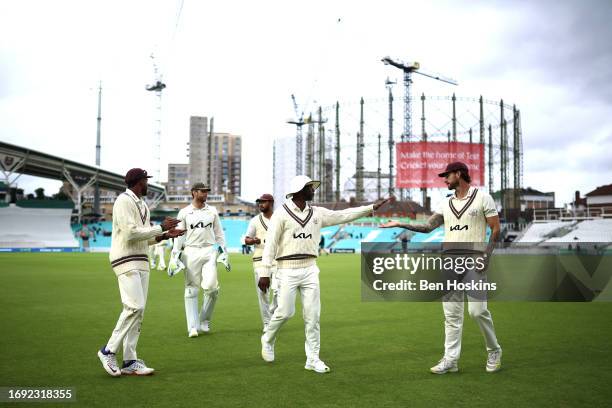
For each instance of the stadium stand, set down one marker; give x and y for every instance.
(100, 240)
(587, 231)
(38, 225)
(540, 232)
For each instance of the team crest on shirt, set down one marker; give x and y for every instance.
(474, 212)
(315, 220)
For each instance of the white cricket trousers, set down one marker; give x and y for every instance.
(160, 255)
(453, 323)
(200, 272)
(133, 287)
(267, 300)
(306, 281)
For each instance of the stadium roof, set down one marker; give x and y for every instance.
(601, 191)
(524, 191)
(48, 166)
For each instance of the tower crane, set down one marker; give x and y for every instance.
(408, 68)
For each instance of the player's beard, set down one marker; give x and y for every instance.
(309, 194)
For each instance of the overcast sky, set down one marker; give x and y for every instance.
(240, 61)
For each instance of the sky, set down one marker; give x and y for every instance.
(240, 61)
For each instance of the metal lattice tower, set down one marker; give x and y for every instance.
(408, 68)
(321, 161)
(98, 142)
(310, 147)
(298, 122)
(359, 168)
(337, 196)
(391, 141)
(157, 87)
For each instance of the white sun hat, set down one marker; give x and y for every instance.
(299, 182)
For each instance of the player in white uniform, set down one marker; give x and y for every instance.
(465, 216)
(293, 237)
(157, 254)
(196, 250)
(256, 235)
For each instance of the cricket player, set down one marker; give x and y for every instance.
(132, 233)
(292, 240)
(159, 255)
(196, 250)
(256, 235)
(465, 215)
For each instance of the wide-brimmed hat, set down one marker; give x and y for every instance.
(299, 182)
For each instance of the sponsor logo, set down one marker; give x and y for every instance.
(201, 225)
(474, 212)
(302, 236)
(315, 220)
(459, 228)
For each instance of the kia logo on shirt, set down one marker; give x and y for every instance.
(459, 228)
(201, 225)
(302, 236)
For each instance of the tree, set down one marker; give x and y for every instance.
(61, 195)
(40, 193)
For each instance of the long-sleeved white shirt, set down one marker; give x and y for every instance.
(258, 228)
(293, 235)
(203, 227)
(132, 234)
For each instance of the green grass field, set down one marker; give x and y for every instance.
(58, 309)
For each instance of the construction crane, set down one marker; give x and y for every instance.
(298, 122)
(157, 87)
(408, 68)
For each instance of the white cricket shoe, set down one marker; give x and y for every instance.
(445, 366)
(109, 362)
(494, 361)
(267, 350)
(204, 327)
(193, 333)
(138, 367)
(317, 366)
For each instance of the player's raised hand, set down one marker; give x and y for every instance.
(169, 223)
(173, 233)
(381, 202)
(390, 224)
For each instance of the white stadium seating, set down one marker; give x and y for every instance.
(36, 228)
(540, 232)
(588, 231)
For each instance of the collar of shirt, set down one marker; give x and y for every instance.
(468, 195)
(194, 208)
(295, 208)
(134, 196)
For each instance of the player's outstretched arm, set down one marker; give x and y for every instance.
(432, 223)
(331, 217)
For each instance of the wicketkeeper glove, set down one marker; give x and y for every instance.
(223, 258)
(175, 265)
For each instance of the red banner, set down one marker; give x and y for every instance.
(418, 163)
